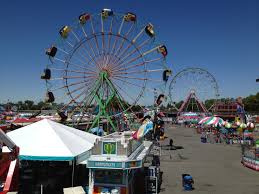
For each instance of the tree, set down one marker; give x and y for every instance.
(29, 104)
(179, 104)
(209, 103)
(251, 103)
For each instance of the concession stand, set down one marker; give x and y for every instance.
(114, 163)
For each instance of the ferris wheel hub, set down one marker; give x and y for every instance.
(105, 73)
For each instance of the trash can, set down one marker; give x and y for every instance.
(187, 182)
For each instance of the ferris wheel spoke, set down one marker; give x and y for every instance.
(123, 59)
(117, 105)
(138, 78)
(91, 57)
(121, 100)
(150, 51)
(86, 50)
(73, 71)
(77, 58)
(103, 43)
(123, 52)
(73, 100)
(84, 32)
(135, 50)
(129, 83)
(102, 23)
(81, 67)
(76, 89)
(82, 54)
(120, 61)
(77, 97)
(109, 39)
(70, 44)
(62, 50)
(91, 47)
(139, 71)
(80, 105)
(95, 38)
(123, 68)
(138, 57)
(77, 77)
(127, 94)
(75, 65)
(69, 85)
(121, 25)
(123, 40)
(75, 35)
(131, 61)
(63, 61)
(138, 35)
(114, 44)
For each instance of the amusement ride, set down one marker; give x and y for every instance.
(103, 68)
(196, 86)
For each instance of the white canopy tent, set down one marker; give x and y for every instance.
(47, 140)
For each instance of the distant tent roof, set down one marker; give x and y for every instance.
(25, 121)
(51, 141)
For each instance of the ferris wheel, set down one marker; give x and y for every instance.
(193, 85)
(105, 64)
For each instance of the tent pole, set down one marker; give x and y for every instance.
(41, 188)
(73, 172)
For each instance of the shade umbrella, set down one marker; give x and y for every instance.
(216, 121)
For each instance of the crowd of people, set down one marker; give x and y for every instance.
(222, 135)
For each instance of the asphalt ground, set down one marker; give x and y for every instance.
(216, 168)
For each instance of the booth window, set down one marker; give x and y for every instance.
(109, 176)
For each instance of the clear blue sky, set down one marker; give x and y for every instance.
(219, 35)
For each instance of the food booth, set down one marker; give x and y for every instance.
(114, 163)
(250, 152)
